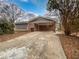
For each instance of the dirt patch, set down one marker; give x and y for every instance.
(70, 45)
(11, 36)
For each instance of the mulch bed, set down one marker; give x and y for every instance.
(70, 45)
(11, 36)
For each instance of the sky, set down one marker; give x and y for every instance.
(35, 6)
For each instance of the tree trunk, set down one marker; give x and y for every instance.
(66, 25)
(67, 32)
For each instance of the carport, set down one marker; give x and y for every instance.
(44, 27)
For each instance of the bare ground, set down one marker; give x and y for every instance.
(70, 45)
(35, 45)
(6, 37)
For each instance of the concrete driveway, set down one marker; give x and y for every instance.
(35, 45)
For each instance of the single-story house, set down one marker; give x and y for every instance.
(41, 24)
(37, 24)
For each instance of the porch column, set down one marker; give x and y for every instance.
(38, 27)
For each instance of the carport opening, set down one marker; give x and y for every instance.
(43, 27)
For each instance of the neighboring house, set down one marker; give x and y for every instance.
(37, 24)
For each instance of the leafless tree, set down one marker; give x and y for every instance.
(69, 10)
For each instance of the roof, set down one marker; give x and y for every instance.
(19, 23)
(36, 18)
(46, 18)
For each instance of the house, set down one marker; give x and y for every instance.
(41, 24)
(37, 24)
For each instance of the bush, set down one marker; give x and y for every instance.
(1, 32)
(6, 27)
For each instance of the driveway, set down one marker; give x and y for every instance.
(35, 45)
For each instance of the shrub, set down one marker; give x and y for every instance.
(6, 27)
(1, 32)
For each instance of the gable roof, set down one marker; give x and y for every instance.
(41, 18)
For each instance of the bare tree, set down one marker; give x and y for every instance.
(11, 10)
(69, 10)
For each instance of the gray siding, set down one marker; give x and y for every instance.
(21, 26)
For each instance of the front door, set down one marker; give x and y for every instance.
(32, 29)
